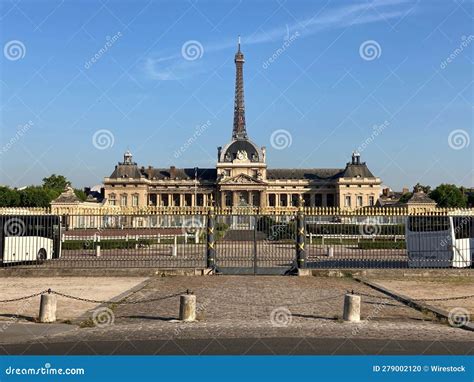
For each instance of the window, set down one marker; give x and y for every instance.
(295, 199)
(307, 200)
(347, 201)
(271, 200)
(123, 200)
(359, 201)
(152, 201)
(112, 200)
(371, 200)
(228, 199)
(135, 200)
(176, 200)
(188, 200)
(318, 200)
(200, 200)
(330, 200)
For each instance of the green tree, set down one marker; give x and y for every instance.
(405, 197)
(55, 182)
(425, 189)
(449, 195)
(9, 197)
(80, 194)
(34, 196)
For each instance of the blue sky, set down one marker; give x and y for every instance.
(339, 68)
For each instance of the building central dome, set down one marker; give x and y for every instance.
(241, 149)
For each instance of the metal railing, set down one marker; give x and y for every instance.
(238, 243)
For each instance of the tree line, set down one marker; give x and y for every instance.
(37, 196)
(445, 195)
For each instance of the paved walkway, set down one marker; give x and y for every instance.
(262, 307)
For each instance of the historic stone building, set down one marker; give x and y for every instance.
(241, 177)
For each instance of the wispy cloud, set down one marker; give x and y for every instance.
(173, 67)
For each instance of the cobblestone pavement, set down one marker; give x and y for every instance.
(99, 288)
(434, 288)
(262, 307)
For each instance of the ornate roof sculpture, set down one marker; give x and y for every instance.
(356, 168)
(127, 169)
(68, 196)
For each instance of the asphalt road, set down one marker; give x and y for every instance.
(245, 346)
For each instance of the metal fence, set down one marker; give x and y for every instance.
(237, 243)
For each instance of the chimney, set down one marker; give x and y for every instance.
(172, 172)
(386, 191)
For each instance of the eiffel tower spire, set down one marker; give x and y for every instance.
(239, 130)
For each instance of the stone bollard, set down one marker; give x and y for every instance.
(187, 307)
(97, 250)
(47, 311)
(351, 308)
(174, 248)
(330, 251)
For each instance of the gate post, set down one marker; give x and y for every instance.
(210, 243)
(300, 237)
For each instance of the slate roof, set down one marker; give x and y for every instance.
(207, 174)
(420, 198)
(67, 197)
(357, 170)
(309, 173)
(126, 171)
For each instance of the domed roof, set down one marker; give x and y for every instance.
(241, 149)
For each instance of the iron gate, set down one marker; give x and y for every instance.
(255, 244)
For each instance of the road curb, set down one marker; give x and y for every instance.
(102, 272)
(439, 313)
(363, 273)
